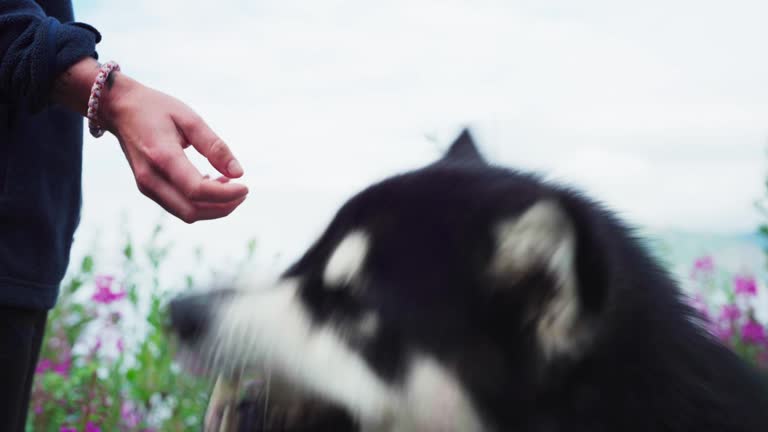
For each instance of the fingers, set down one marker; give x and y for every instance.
(160, 190)
(178, 169)
(205, 141)
(154, 129)
(220, 179)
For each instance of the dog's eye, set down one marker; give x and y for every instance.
(326, 302)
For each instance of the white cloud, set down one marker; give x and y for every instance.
(659, 110)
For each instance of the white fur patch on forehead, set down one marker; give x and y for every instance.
(346, 261)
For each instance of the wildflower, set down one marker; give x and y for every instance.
(67, 429)
(704, 264)
(745, 285)
(97, 345)
(62, 368)
(43, 366)
(730, 312)
(103, 281)
(753, 332)
(104, 293)
(130, 414)
(90, 427)
(46, 365)
(703, 268)
(120, 345)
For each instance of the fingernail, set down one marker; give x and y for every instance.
(234, 169)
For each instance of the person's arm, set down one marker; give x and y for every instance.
(153, 129)
(35, 49)
(43, 61)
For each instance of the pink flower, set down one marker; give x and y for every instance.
(730, 312)
(46, 365)
(104, 281)
(67, 429)
(43, 366)
(120, 345)
(745, 285)
(38, 409)
(130, 414)
(705, 264)
(703, 269)
(90, 427)
(753, 332)
(97, 345)
(104, 293)
(62, 368)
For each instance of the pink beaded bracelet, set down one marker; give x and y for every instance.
(93, 101)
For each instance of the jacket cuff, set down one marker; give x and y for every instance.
(65, 45)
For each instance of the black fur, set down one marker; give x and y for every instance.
(648, 368)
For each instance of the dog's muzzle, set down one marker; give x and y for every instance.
(191, 315)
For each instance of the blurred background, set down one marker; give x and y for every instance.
(659, 109)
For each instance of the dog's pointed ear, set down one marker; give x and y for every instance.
(543, 239)
(542, 236)
(464, 149)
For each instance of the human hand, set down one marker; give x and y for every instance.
(153, 130)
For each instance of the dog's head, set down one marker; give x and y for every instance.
(429, 296)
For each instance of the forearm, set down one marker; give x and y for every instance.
(34, 49)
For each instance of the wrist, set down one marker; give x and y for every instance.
(114, 100)
(72, 88)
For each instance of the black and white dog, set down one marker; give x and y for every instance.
(468, 297)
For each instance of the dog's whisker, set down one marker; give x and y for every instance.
(213, 355)
(267, 384)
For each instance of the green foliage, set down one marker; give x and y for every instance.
(107, 363)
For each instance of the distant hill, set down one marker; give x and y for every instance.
(734, 252)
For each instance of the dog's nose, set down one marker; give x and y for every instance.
(189, 316)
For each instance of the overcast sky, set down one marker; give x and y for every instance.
(658, 108)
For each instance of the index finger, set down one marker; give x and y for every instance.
(184, 176)
(207, 143)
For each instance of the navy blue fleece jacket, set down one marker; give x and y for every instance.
(40, 148)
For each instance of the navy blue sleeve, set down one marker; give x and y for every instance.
(35, 49)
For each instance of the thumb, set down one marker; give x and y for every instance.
(207, 143)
